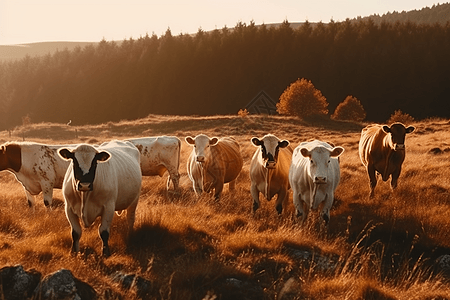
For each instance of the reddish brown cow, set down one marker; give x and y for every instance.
(382, 151)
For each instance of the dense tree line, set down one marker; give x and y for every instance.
(387, 67)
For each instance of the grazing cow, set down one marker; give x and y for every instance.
(99, 181)
(213, 162)
(37, 167)
(382, 150)
(314, 176)
(269, 170)
(158, 155)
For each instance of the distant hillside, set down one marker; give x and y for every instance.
(13, 52)
(439, 13)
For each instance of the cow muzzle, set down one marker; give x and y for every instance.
(399, 147)
(320, 180)
(84, 186)
(200, 159)
(270, 164)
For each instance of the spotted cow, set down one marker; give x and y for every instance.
(158, 155)
(38, 167)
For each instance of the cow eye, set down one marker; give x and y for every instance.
(329, 161)
(311, 161)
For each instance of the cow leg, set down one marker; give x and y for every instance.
(232, 185)
(76, 229)
(48, 195)
(175, 180)
(198, 187)
(372, 179)
(218, 191)
(255, 195)
(301, 209)
(327, 206)
(394, 179)
(30, 199)
(131, 216)
(103, 229)
(280, 200)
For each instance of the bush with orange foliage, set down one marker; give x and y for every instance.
(399, 116)
(302, 99)
(350, 109)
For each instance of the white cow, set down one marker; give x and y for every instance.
(99, 181)
(213, 162)
(158, 155)
(269, 170)
(38, 167)
(314, 176)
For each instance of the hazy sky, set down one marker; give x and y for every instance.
(28, 21)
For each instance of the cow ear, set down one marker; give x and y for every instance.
(283, 144)
(337, 151)
(3, 149)
(305, 152)
(65, 153)
(256, 141)
(189, 140)
(213, 141)
(102, 156)
(386, 129)
(410, 129)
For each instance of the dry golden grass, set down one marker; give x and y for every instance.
(382, 248)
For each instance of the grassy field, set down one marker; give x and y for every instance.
(189, 248)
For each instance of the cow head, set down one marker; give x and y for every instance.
(10, 157)
(201, 144)
(84, 161)
(398, 133)
(319, 161)
(270, 146)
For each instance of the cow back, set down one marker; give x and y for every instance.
(120, 176)
(371, 144)
(158, 154)
(40, 165)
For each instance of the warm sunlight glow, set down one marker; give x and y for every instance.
(30, 21)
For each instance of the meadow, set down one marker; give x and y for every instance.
(198, 248)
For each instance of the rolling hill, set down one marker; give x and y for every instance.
(14, 52)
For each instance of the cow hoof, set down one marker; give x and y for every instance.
(46, 203)
(326, 219)
(255, 206)
(106, 252)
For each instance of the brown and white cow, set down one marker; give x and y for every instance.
(382, 150)
(269, 170)
(213, 162)
(158, 155)
(38, 167)
(99, 181)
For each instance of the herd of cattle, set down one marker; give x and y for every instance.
(97, 180)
